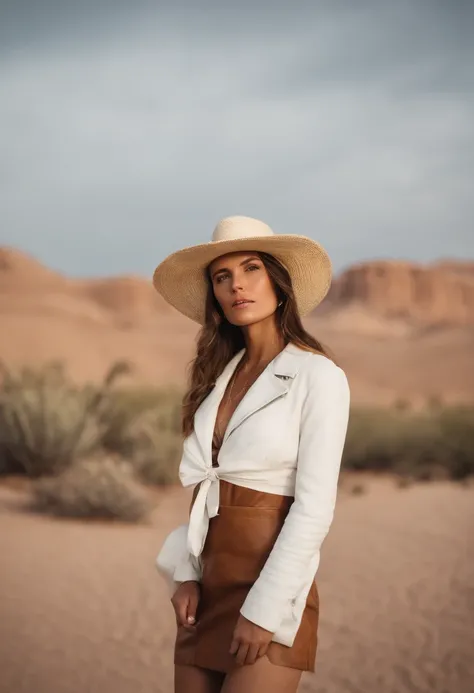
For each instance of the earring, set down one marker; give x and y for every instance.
(280, 304)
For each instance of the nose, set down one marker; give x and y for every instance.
(237, 283)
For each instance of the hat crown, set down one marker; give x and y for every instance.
(233, 228)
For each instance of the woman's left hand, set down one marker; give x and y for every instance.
(249, 641)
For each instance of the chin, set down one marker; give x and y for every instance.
(246, 320)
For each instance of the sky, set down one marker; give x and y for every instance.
(128, 129)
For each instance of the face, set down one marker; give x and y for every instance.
(243, 288)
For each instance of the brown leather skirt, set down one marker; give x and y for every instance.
(238, 543)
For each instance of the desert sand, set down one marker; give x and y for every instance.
(82, 608)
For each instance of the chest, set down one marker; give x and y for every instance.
(246, 428)
(233, 396)
(259, 433)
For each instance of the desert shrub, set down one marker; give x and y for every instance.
(456, 433)
(131, 411)
(156, 440)
(373, 439)
(47, 422)
(427, 445)
(98, 488)
(157, 455)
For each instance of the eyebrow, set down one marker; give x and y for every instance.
(244, 262)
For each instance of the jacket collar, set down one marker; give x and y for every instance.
(287, 362)
(274, 382)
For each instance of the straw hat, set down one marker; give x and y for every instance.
(181, 277)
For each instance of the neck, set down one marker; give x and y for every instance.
(263, 342)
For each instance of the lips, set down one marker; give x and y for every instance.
(241, 302)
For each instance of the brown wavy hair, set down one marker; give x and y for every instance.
(219, 340)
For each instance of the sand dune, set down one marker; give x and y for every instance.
(91, 323)
(82, 608)
(431, 363)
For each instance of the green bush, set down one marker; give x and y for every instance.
(97, 488)
(436, 443)
(131, 411)
(47, 422)
(157, 455)
(144, 427)
(456, 432)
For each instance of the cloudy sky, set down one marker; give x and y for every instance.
(127, 129)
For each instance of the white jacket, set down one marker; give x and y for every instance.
(286, 437)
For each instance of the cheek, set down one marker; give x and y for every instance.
(219, 293)
(264, 289)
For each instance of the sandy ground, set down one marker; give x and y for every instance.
(82, 609)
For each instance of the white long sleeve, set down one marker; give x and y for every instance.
(175, 562)
(324, 420)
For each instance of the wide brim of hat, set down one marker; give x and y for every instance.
(181, 277)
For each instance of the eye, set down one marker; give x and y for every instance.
(253, 267)
(221, 277)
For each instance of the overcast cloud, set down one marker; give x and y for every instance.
(128, 129)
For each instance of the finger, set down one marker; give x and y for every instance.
(252, 654)
(192, 609)
(263, 649)
(181, 611)
(241, 655)
(234, 646)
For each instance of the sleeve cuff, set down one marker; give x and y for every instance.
(265, 612)
(188, 569)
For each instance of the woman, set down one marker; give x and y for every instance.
(264, 420)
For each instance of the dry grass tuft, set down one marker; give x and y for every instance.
(99, 488)
(47, 422)
(430, 445)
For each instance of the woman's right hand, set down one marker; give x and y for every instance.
(185, 602)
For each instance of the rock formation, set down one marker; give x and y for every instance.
(435, 295)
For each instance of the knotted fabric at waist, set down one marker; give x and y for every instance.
(205, 506)
(206, 502)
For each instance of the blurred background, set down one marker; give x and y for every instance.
(127, 130)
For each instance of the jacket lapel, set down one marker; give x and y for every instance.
(274, 382)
